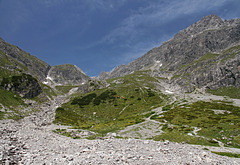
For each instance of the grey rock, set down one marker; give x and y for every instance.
(67, 74)
(19, 59)
(174, 59)
(24, 85)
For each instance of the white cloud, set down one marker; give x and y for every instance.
(154, 15)
(138, 23)
(157, 14)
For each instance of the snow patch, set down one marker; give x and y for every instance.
(73, 90)
(45, 82)
(159, 62)
(170, 92)
(49, 78)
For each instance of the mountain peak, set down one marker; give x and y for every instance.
(67, 74)
(206, 23)
(211, 20)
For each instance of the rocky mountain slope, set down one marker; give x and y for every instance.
(14, 59)
(130, 118)
(16, 64)
(26, 81)
(210, 43)
(67, 74)
(32, 140)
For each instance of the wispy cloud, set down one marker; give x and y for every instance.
(136, 25)
(103, 5)
(156, 14)
(139, 49)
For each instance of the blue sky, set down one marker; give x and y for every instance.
(98, 35)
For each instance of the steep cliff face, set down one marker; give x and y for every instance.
(209, 35)
(66, 74)
(24, 85)
(210, 71)
(17, 59)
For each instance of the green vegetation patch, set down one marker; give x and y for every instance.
(232, 92)
(232, 52)
(113, 108)
(9, 99)
(177, 136)
(12, 102)
(65, 89)
(175, 76)
(4, 60)
(206, 57)
(215, 120)
(1, 115)
(228, 154)
(9, 61)
(48, 93)
(22, 84)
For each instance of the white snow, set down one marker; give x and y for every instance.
(170, 92)
(49, 78)
(72, 90)
(158, 62)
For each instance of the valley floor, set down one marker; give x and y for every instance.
(32, 141)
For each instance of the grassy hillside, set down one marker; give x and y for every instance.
(9, 99)
(214, 121)
(126, 101)
(232, 92)
(11, 103)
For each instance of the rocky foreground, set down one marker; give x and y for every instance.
(31, 141)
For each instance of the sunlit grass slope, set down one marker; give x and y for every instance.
(215, 121)
(126, 101)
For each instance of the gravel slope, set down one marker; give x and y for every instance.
(31, 141)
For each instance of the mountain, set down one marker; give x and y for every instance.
(15, 59)
(152, 97)
(204, 55)
(66, 74)
(24, 77)
(147, 100)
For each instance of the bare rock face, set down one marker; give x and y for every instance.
(92, 85)
(67, 74)
(117, 72)
(21, 60)
(104, 75)
(179, 56)
(24, 85)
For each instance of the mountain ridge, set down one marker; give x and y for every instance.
(208, 35)
(145, 103)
